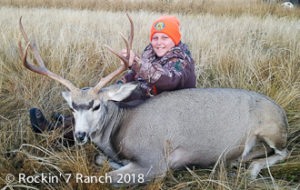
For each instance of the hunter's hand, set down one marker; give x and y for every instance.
(131, 57)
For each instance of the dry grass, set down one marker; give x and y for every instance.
(216, 7)
(249, 52)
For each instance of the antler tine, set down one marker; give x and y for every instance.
(128, 44)
(117, 54)
(131, 31)
(128, 48)
(124, 66)
(33, 45)
(24, 59)
(130, 38)
(42, 69)
(108, 78)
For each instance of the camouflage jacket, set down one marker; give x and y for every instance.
(173, 71)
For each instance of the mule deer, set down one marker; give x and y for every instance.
(173, 129)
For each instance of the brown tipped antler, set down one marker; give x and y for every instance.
(126, 60)
(42, 69)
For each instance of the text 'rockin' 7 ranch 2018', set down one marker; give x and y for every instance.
(79, 178)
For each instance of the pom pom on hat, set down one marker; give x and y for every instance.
(168, 25)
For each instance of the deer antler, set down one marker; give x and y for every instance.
(42, 69)
(126, 60)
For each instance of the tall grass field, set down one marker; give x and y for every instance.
(235, 44)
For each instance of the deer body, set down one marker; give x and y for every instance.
(189, 127)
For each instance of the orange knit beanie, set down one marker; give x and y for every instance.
(168, 25)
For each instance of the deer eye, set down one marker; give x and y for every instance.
(72, 109)
(96, 108)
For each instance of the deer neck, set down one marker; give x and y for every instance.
(109, 125)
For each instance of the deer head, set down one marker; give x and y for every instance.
(86, 104)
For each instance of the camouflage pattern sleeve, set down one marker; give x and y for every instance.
(170, 76)
(174, 75)
(150, 72)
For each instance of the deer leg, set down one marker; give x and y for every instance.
(179, 158)
(256, 154)
(256, 166)
(259, 153)
(133, 173)
(250, 143)
(100, 160)
(275, 142)
(248, 154)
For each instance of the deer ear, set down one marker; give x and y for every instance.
(120, 92)
(67, 96)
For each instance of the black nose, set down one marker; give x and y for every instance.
(80, 136)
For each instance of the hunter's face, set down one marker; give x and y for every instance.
(161, 44)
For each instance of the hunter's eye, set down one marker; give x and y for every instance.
(96, 108)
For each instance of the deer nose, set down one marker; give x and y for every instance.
(80, 136)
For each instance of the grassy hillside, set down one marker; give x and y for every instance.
(259, 52)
